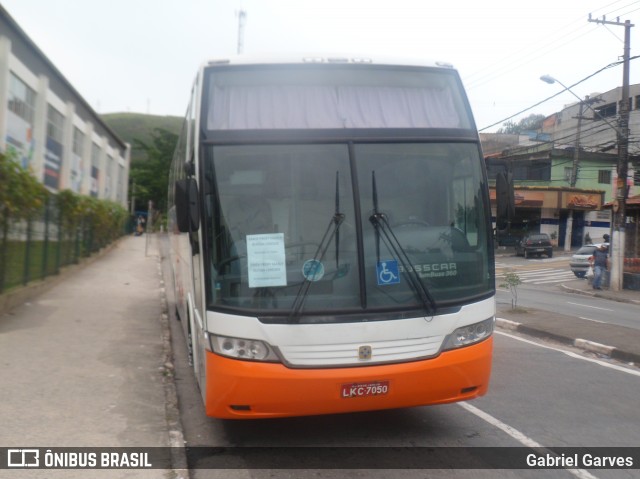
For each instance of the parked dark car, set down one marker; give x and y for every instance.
(535, 243)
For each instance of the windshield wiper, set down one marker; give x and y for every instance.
(384, 230)
(332, 231)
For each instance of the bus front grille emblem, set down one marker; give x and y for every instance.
(364, 352)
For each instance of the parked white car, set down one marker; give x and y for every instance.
(579, 262)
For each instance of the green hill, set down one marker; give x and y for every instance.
(138, 126)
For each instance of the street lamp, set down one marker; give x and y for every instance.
(618, 217)
(550, 80)
(576, 160)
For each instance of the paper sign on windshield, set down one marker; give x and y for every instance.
(266, 260)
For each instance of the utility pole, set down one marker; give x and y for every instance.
(576, 162)
(574, 178)
(242, 18)
(619, 206)
(133, 199)
(576, 153)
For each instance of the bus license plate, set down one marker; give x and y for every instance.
(354, 390)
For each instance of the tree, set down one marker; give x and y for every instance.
(511, 282)
(150, 175)
(20, 193)
(531, 123)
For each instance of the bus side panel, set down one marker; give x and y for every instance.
(181, 266)
(249, 390)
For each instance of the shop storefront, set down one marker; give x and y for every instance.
(631, 268)
(552, 210)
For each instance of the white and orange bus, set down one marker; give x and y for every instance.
(331, 237)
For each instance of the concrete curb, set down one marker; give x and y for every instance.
(179, 462)
(583, 344)
(602, 295)
(577, 291)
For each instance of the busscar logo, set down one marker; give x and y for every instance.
(365, 352)
(23, 458)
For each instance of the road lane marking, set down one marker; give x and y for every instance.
(594, 320)
(519, 436)
(528, 279)
(592, 307)
(511, 431)
(549, 281)
(571, 354)
(542, 276)
(535, 272)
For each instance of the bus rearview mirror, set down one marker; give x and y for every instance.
(187, 209)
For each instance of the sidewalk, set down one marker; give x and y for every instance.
(85, 363)
(584, 287)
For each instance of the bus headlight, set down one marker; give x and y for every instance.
(239, 348)
(470, 334)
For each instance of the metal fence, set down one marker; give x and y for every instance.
(38, 247)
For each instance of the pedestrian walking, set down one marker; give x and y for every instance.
(600, 264)
(140, 225)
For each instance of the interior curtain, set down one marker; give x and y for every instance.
(306, 107)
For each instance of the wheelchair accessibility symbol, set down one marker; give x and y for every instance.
(387, 272)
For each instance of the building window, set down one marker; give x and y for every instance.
(567, 173)
(55, 124)
(606, 110)
(535, 170)
(95, 170)
(108, 177)
(78, 140)
(22, 99)
(604, 177)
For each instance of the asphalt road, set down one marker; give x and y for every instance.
(542, 288)
(541, 394)
(587, 308)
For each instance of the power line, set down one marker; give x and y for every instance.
(610, 65)
(525, 55)
(523, 59)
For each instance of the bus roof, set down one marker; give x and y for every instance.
(301, 59)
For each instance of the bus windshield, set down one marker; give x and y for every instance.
(292, 227)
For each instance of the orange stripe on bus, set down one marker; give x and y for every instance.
(242, 389)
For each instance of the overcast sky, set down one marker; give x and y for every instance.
(142, 55)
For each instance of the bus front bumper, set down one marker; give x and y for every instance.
(250, 390)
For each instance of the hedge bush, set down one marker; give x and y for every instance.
(41, 231)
